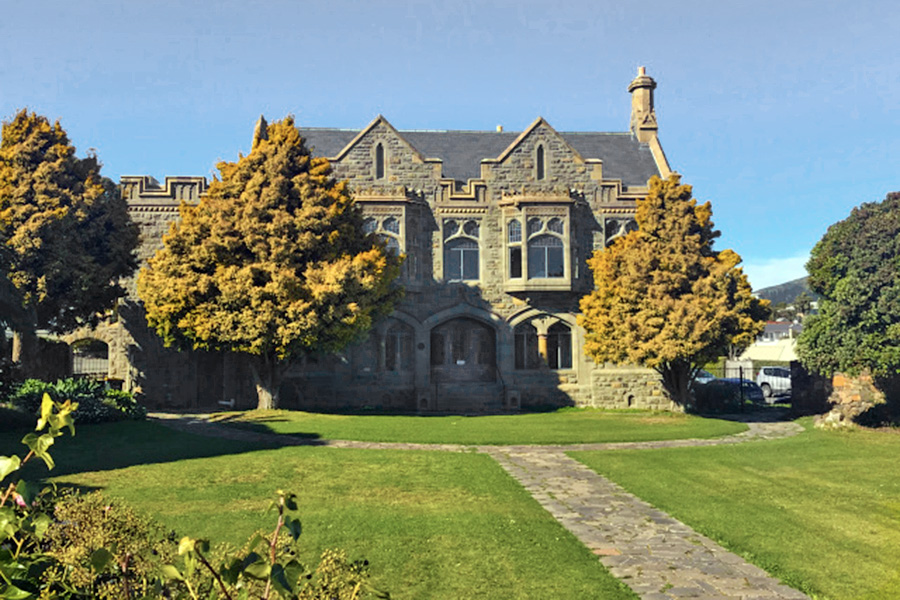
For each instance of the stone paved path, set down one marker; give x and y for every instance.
(657, 556)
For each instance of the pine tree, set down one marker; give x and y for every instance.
(664, 298)
(66, 234)
(272, 263)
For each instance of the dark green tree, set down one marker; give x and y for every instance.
(855, 268)
(273, 263)
(65, 232)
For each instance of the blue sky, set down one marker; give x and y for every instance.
(783, 114)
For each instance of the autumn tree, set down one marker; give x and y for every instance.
(855, 268)
(66, 235)
(664, 298)
(272, 263)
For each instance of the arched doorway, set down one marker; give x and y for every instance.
(464, 365)
(90, 358)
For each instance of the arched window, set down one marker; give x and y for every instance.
(379, 161)
(398, 348)
(559, 346)
(461, 261)
(387, 230)
(540, 169)
(391, 224)
(545, 257)
(527, 356)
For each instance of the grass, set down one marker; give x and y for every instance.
(821, 510)
(432, 524)
(566, 426)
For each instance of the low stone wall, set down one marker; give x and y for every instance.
(624, 387)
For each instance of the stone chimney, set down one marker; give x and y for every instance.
(260, 132)
(643, 116)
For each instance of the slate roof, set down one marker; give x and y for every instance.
(462, 151)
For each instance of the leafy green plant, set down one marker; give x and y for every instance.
(267, 567)
(24, 517)
(66, 545)
(96, 404)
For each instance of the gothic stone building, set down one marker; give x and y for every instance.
(496, 228)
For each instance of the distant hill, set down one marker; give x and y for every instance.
(785, 292)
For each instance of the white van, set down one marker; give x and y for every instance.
(774, 381)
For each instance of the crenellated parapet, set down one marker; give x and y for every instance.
(146, 190)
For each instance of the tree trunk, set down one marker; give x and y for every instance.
(25, 352)
(676, 379)
(267, 376)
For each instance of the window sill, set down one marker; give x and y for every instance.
(538, 285)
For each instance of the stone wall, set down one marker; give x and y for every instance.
(622, 387)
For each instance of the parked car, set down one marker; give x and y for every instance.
(703, 376)
(774, 381)
(723, 395)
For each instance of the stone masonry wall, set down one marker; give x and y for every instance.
(622, 387)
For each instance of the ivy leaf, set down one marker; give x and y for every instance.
(14, 593)
(46, 411)
(172, 572)
(258, 570)
(40, 444)
(279, 578)
(294, 528)
(8, 464)
(41, 524)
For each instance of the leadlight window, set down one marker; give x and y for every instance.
(388, 231)
(545, 257)
(398, 348)
(392, 225)
(559, 346)
(461, 250)
(526, 341)
(514, 241)
(546, 250)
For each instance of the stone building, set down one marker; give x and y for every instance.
(496, 228)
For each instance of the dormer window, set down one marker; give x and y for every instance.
(379, 161)
(539, 164)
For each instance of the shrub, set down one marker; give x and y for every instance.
(103, 548)
(96, 404)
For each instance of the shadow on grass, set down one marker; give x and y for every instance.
(754, 413)
(111, 446)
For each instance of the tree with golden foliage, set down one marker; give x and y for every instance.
(66, 235)
(272, 263)
(664, 298)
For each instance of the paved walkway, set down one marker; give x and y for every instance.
(657, 556)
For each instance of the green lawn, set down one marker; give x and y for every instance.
(820, 511)
(432, 524)
(566, 426)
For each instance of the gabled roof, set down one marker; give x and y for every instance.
(462, 151)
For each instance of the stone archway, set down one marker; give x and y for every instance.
(464, 366)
